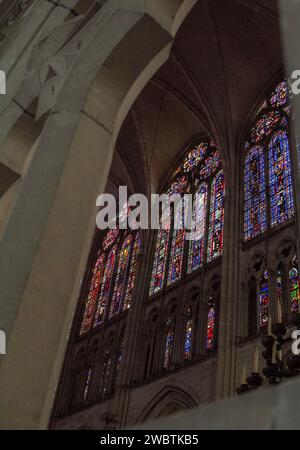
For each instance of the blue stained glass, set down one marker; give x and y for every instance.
(177, 247)
(264, 300)
(169, 345)
(255, 216)
(160, 257)
(119, 285)
(188, 335)
(196, 245)
(280, 173)
(216, 221)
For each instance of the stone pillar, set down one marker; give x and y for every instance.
(229, 296)
(133, 357)
(46, 242)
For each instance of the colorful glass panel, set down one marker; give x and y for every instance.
(265, 126)
(280, 96)
(211, 165)
(216, 220)
(179, 186)
(294, 286)
(169, 345)
(196, 245)
(119, 285)
(195, 157)
(188, 335)
(255, 216)
(92, 297)
(211, 325)
(160, 257)
(177, 247)
(264, 300)
(106, 286)
(281, 188)
(132, 272)
(105, 375)
(87, 383)
(109, 239)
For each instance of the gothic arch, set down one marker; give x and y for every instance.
(169, 399)
(101, 122)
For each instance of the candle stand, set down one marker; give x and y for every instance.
(276, 370)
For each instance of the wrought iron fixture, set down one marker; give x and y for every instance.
(276, 370)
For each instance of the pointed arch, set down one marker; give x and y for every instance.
(198, 235)
(268, 183)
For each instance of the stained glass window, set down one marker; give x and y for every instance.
(255, 215)
(268, 166)
(88, 382)
(105, 375)
(132, 272)
(177, 248)
(264, 300)
(161, 253)
(196, 245)
(118, 363)
(110, 238)
(169, 344)
(279, 285)
(119, 285)
(92, 297)
(195, 157)
(106, 286)
(200, 176)
(281, 189)
(188, 335)
(294, 285)
(216, 221)
(211, 325)
(112, 278)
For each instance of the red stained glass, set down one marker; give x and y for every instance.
(119, 284)
(211, 325)
(294, 285)
(169, 344)
(264, 300)
(91, 302)
(216, 221)
(265, 126)
(196, 245)
(177, 248)
(132, 272)
(106, 286)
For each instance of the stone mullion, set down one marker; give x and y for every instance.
(202, 327)
(180, 324)
(130, 369)
(140, 296)
(258, 303)
(286, 298)
(273, 307)
(159, 347)
(225, 384)
(196, 329)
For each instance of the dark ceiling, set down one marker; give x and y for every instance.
(226, 55)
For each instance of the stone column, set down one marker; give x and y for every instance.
(229, 296)
(45, 245)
